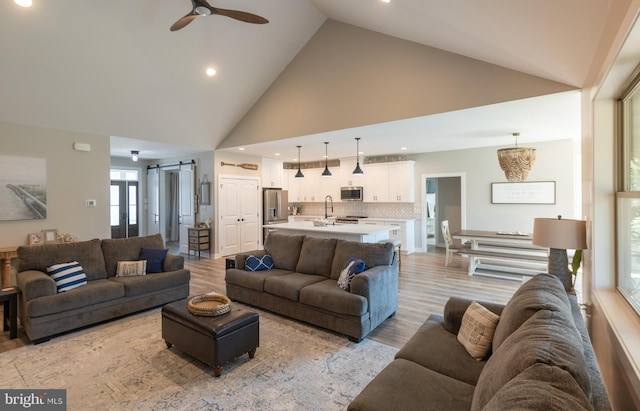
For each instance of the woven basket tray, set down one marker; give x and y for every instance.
(209, 304)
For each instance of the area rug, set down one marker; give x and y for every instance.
(125, 365)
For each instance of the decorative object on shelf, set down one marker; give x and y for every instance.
(134, 155)
(358, 171)
(516, 162)
(246, 166)
(326, 172)
(35, 239)
(50, 236)
(299, 173)
(559, 235)
(209, 305)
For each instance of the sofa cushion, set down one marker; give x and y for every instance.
(373, 254)
(542, 292)
(253, 263)
(328, 296)
(127, 249)
(284, 249)
(87, 253)
(154, 258)
(253, 280)
(548, 337)
(437, 349)
(67, 275)
(316, 256)
(131, 268)
(409, 386)
(476, 330)
(140, 285)
(95, 292)
(540, 387)
(289, 285)
(352, 267)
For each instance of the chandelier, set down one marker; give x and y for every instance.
(516, 162)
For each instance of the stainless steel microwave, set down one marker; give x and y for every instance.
(351, 194)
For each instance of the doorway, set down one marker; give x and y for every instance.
(123, 209)
(443, 199)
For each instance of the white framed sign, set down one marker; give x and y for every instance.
(534, 192)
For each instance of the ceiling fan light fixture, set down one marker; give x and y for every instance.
(299, 173)
(358, 171)
(516, 162)
(326, 172)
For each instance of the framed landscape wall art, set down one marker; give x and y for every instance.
(23, 188)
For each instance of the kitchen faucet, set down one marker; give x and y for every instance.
(326, 215)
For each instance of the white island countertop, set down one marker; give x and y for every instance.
(355, 232)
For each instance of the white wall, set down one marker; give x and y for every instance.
(72, 178)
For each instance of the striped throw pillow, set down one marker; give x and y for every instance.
(67, 275)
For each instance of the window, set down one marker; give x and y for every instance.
(628, 199)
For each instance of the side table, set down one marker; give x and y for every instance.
(9, 296)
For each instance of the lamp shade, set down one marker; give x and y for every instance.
(560, 233)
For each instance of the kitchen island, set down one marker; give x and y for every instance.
(353, 232)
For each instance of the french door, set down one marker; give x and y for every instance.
(123, 209)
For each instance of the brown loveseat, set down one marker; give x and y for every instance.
(541, 359)
(303, 283)
(45, 312)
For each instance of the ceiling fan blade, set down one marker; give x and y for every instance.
(240, 15)
(183, 21)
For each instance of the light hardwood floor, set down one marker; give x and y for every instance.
(425, 284)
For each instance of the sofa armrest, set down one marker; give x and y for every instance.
(34, 284)
(241, 258)
(173, 262)
(455, 308)
(379, 285)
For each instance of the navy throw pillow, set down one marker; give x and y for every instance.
(155, 258)
(253, 263)
(352, 267)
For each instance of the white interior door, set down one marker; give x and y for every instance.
(187, 205)
(153, 201)
(249, 224)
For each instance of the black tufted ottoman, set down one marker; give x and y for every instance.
(213, 340)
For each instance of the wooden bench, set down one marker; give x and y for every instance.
(530, 259)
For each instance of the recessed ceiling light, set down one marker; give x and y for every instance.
(277, 154)
(241, 148)
(403, 148)
(23, 3)
(386, 1)
(211, 72)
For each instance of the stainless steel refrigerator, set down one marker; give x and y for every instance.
(274, 206)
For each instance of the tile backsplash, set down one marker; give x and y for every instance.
(356, 208)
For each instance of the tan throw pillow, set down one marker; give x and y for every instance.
(131, 268)
(476, 330)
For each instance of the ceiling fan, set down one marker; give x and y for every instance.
(202, 8)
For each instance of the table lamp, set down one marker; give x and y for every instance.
(559, 235)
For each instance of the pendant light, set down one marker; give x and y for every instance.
(326, 172)
(299, 173)
(358, 171)
(516, 162)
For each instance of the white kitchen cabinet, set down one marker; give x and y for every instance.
(314, 188)
(272, 173)
(293, 185)
(405, 232)
(389, 182)
(376, 183)
(346, 177)
(401, 187)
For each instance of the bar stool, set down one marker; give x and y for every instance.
(397, 245)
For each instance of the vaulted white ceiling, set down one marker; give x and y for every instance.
(112, 67)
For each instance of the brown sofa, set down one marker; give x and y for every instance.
(44, 312)
(541, 359)
(303, 283)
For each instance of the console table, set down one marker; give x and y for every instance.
(506, 252)
(6, 255)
